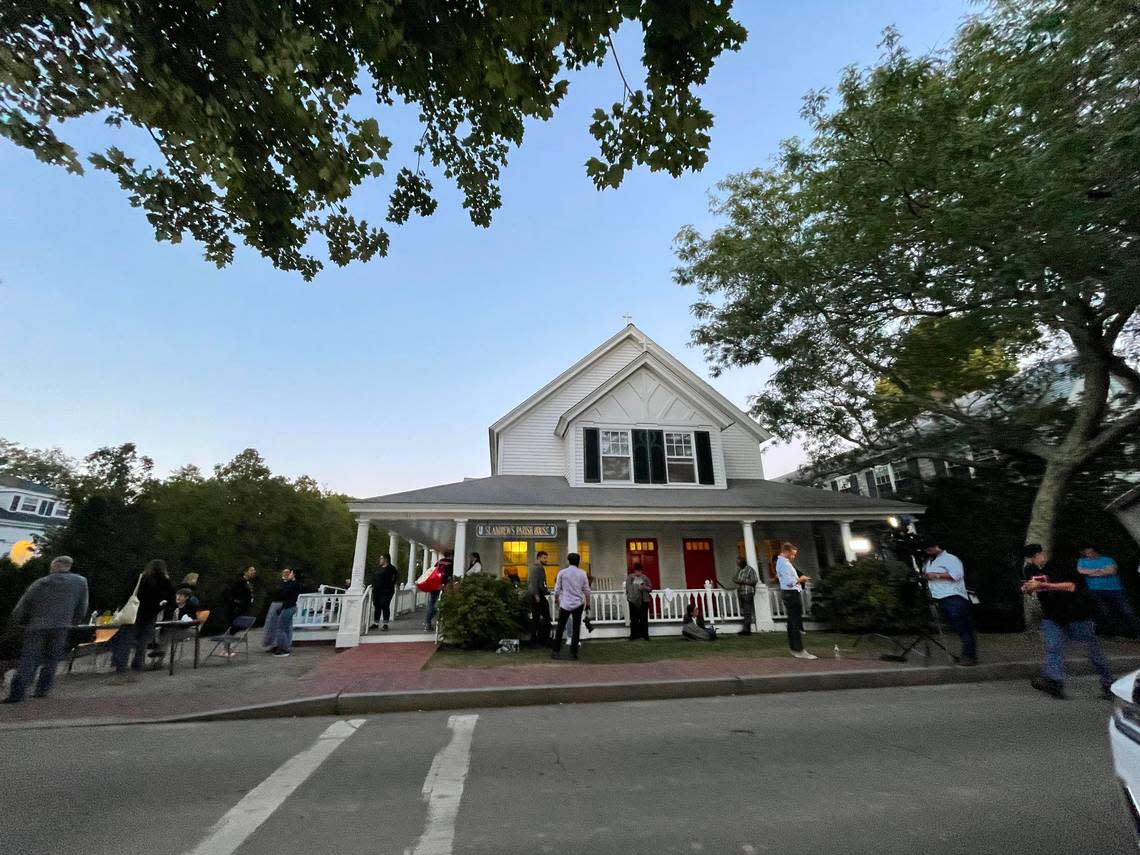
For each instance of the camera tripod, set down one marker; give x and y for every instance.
(928, 626)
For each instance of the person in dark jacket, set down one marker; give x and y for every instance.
(239, 595)
(383, 589)
(51, 605)
(286, 594)
(1067, 611)
(156, 598)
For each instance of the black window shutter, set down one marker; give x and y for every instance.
(657, 457)
(704, 458)
(641, 468)
(855, 484)
(872, 487)
(593, 473)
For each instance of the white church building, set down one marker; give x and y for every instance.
(627, 456)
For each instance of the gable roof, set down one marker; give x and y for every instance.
(630, 332)
(24, 484)
(649, 362)
(552, 493)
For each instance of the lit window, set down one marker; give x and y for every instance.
(514, 559)
(554, 560)
(617, 463)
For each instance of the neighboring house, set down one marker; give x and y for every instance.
(875, 476)
(27, 511)
(1127, 510)
(627, 456)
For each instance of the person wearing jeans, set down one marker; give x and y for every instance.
(791, 591)
(287, 595)
(1104, 584)
(746, 581)
(1067, 615)
(572, 597)
(51, 605)
(947, 579)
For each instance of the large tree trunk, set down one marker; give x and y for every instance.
(1047, 502)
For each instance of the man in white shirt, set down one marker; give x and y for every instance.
(947, 579)
(791, 590)
(572, 597)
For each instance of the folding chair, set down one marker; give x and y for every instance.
(101, 642)
(201, 615)
(238, 633)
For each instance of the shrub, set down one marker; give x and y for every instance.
(478, 610)
(871, 595)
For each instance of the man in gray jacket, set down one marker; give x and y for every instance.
(51, 605)
(537, 592)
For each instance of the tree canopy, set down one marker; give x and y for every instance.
(957, 244)
(264, 114)
(122, 515)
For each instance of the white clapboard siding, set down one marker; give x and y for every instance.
(742, 457)
(530, 446)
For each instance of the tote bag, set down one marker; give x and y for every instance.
(127, 614)
(430, 581)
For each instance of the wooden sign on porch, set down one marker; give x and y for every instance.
(511, 531)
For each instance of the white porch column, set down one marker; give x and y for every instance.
(460, 547)
(763, 602)
(571, 536)
(413, 547)
(426, 563)
(393, 547)
(435, 556)
(845, 539)
(352, 606)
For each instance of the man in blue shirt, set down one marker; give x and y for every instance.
(791, 590)
(947, 579)
(1104, 583)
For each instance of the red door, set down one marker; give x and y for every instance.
(700, 562)
(644, 551)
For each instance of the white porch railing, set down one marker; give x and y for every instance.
(775, 596)
(610, 607)
(317, 611)
(367, 611)
(407, 600)
(606, 583)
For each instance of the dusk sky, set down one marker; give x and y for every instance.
(382, 377)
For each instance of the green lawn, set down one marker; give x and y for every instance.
(759, 645)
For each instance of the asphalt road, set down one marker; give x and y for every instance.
(981, 768)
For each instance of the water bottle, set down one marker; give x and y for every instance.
(837, 656)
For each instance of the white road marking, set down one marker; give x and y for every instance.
(443, 788)
(258, 805)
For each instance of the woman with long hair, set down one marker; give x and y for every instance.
(156, 595)
(474, 564)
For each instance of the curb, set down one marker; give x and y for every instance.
(420, 700)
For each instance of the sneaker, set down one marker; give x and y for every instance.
(384, 628)
(803, 654)
(282, 653)
(967, 663)
(1049, 687)
(555, 655)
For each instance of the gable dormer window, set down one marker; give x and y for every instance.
(617, 459)
(679, 461)
(647, 457)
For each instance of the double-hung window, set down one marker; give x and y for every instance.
(679, 461)
(46, 508)
(15, 506)
(30, 505)
(617, 462)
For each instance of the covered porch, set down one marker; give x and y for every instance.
(687, 541)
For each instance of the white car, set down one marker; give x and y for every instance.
(1124, 736)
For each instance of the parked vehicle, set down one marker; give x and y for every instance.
(1124, 736)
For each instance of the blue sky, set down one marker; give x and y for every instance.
(382, 377)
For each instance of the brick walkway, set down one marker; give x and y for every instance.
(317, 671)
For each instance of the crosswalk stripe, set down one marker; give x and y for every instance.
(258, 805)
(443, 788)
